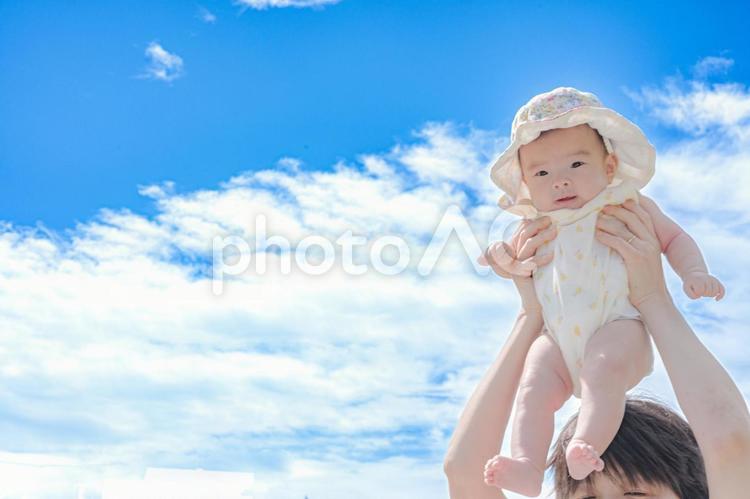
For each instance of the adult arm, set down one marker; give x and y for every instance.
(711, 401)
(709, 398)
(480, 429)
(479, 433)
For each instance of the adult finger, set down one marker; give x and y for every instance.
(532, 244)
(613, 226)
(497, 258)
(500, 257)
(643, 215)
(530, 229)
(541, 260)
(625, 250)
(641, 212)
(490, 255)
(633, 222)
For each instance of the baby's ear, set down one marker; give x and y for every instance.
(611, 162)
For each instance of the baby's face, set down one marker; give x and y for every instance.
(566, 163)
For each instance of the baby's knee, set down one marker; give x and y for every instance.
(542, 387)
(604, 369)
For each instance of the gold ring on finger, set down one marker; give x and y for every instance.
(631, 238)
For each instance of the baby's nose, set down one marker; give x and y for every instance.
(563, 182)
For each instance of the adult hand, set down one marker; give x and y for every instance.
(518, 260)
(629, 230)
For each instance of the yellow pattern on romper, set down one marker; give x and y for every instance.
(585, 286)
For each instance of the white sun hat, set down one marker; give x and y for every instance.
(566, 107)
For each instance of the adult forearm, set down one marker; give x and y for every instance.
(480, 429)
(706, 393)
(684, 255)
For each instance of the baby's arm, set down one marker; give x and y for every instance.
(683, 254)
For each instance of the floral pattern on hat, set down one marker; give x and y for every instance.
(552, 104)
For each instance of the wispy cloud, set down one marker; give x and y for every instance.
(318, 385)
(711, 65)
(162, 65)
(206, 16)
(697, 106)
(265, 4)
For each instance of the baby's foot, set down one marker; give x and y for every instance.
(516, 475)
(582, 459)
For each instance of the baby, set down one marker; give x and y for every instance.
(569, 157)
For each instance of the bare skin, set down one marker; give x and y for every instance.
(573, 162)
(708, 397)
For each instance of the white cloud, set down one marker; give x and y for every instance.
(186, 484)
(265, 4)
(163, 65)
(156, 191)
(331, 385)
(711, 65)
(698, 107)
(206, 16)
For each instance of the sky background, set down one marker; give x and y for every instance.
(133, 133)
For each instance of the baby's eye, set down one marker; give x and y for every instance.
(540, 172)
(576, 163)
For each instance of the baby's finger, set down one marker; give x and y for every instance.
(713, 288)
(722, 291)
(688, 288)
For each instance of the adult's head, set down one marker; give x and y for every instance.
(654, 452)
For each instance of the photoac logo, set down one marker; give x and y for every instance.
(341, 250)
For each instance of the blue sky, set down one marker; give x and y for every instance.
(134, 134)
(79, 132)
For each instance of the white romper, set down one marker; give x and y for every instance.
(586, 285)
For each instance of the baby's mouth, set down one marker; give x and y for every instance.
(569, 198)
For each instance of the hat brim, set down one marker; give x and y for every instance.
(636, 155)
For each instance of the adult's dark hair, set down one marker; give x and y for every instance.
(654, 445)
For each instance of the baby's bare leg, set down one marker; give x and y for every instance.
(544, 387)
(617, 357)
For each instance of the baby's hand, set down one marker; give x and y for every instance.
(697, 284)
